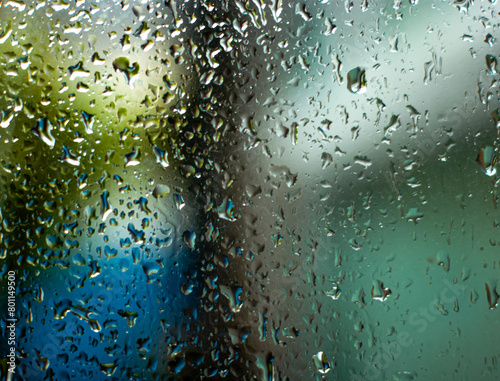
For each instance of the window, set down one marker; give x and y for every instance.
(249, 189)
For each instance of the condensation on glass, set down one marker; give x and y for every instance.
(251, 190)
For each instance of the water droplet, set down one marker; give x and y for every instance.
(131, 317)
(53, 241)
(133, 158)
(109, 368)
(161, 190)
(226, 210)
(443, 259)
(322, 364)
(356, 81)
(414, 214)
(43, 130)
(488, 159)
(160, 157)
(88, 122)
(187, 170)
(69, 157)
(122, 64)
(138, 236)
(105, 205)
(189, 238)
(6, 116)
(95, 269)
(179, 201)
(78, 71)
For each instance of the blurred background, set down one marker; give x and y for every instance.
(250, 189)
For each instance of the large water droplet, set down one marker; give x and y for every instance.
(356, 81)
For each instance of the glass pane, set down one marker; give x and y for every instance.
(249, 190)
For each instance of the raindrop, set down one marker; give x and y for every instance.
(88, 122)
(43, 130)
(189, 239)
(78, 71)
(322, 364)
(105, 205)
(356, 81)
(161, 190)
(122, 64)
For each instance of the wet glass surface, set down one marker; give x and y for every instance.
(251, 190)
